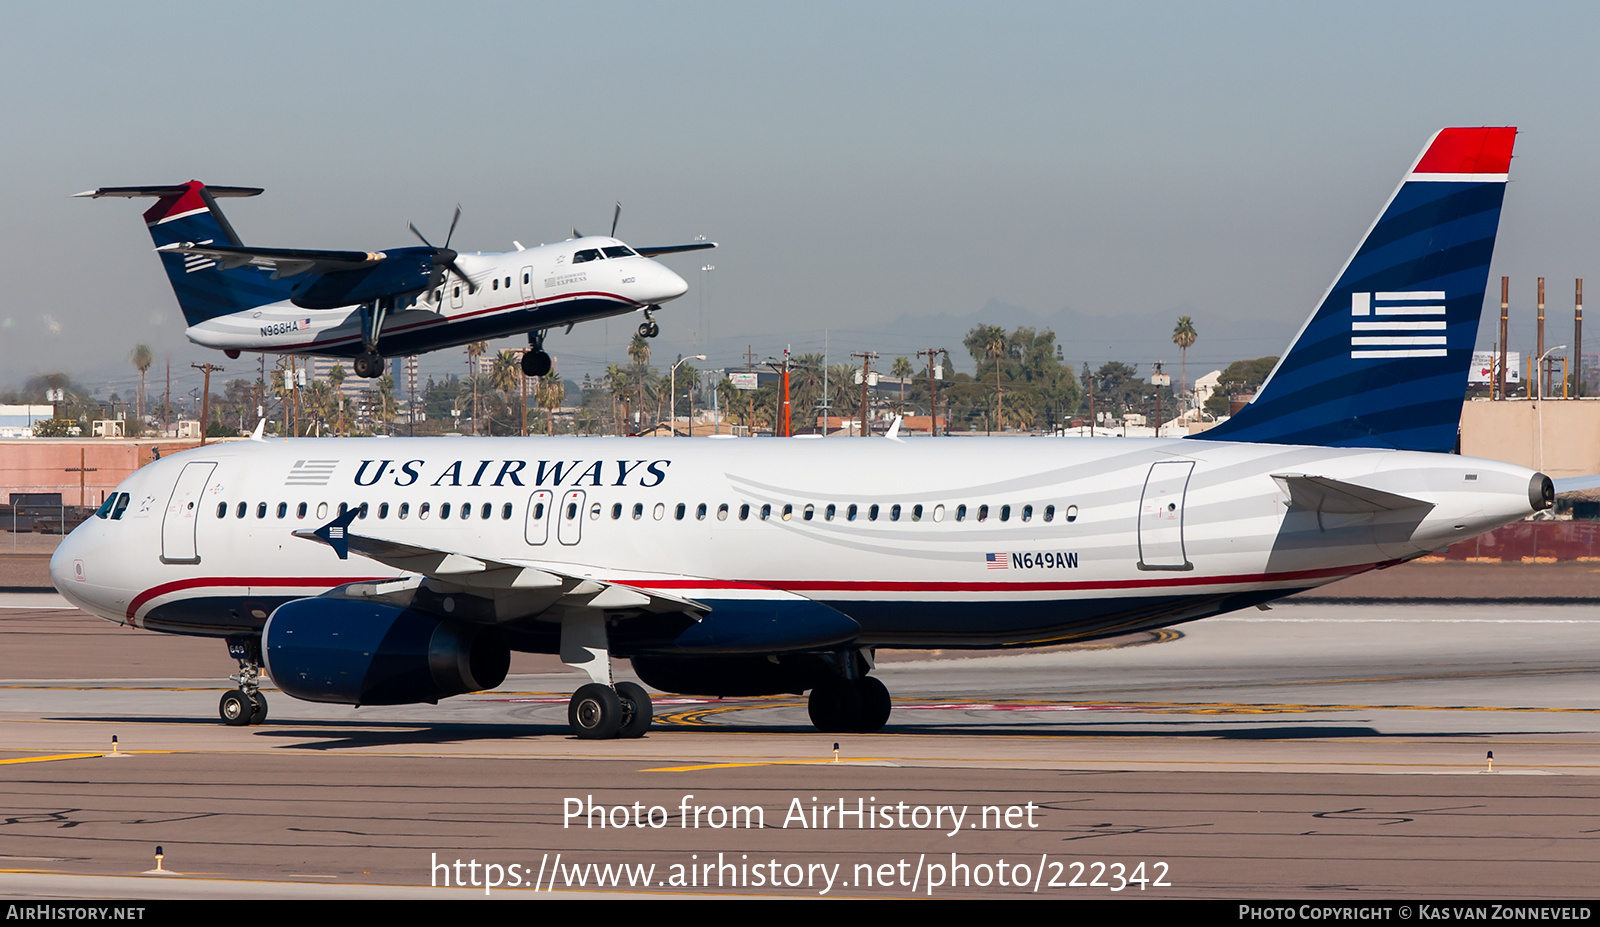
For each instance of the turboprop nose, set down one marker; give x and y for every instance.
(665, 285)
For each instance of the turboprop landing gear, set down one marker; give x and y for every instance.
(650, 328)
(535, 362)
(244, 705)
(369, 363)
(600, 710)
(851, 703)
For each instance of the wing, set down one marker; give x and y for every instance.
(284, 262)
(656, 250)
(548, 586)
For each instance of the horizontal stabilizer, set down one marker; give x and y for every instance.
(1322, 494)
(168, 190)
(1577, 484)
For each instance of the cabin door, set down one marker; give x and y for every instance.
(179, 525)
(1161, 516)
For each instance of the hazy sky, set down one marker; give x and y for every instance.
(857, 162)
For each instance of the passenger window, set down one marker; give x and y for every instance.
(466, 511)
(983, 512)
(383, 510)
(850, 513)
(444, 510)
(524, 278)
(660, 511)
(961, 512)
(788, 511)
(744, 512)
(362, 511)
(300, 510)
(1005, 513)
(538, 510)
(222, 510)
(916, 512)
(722, 512)
(594, 511)
(638, 510)
(241, 510)
(487, 511)
(572, 510)
(322, 510)
(872, 513)
(677, 512)
(766, 511)
(496, 284)
(894, 512)
(1027, 513)
(938, 513)
(1049, 513)
(343, 508)
(700, 512)
(505, 512)
(828, 513)
(283, 509)
(405, 509)
(261, 510)
(616, 511)
(810, 510)
(1072, 513)
(422, 510)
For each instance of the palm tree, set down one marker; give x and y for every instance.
(475, 350)
(142, 359)
(994, 344)
(902, 369)
(336, 380)
(548, 394)
(639, 353)
(1183, 336)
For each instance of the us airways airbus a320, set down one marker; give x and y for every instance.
(387, 571)
(365, 304)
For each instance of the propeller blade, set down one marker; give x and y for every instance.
(413, 227)
(454, 219)
(615, 216)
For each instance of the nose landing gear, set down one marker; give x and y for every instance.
(650, 328)
(246, 704)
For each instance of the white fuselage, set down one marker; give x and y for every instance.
(924, 542)
(512, 293)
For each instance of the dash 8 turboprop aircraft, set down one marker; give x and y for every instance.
(387, 571)
(365, 304)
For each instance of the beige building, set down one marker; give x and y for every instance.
(1559, 437)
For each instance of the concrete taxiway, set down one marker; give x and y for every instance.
(1312, 750)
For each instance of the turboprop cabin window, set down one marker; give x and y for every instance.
(586, 255)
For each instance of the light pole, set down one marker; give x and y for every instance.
(672, 406)
(1538, 381)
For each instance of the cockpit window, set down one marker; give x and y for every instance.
(586, 255)
(122, 506)
(105, 507)
(616, 251)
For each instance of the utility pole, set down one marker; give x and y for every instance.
(166, 402)
(867, 378)
(935, 374)
(1158, 380)
(83, 470)
(1505, 316)
(1538, 373)
(205, 399)
(1577, 343)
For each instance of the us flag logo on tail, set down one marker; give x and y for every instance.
(1403, 324)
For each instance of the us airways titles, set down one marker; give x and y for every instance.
(641, 473)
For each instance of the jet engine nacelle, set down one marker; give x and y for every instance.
(365, 653)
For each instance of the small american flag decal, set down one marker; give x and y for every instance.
(997, 561)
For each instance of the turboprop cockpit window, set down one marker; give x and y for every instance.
(616, 251)
(586, 255)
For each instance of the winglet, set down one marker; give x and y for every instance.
(894, 430)
(333, 533)
(261, 427)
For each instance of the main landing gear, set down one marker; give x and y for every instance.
(600, 710)
(244, 705)
(650, 328)
(535, 362)
(851, 702)
(369, 363)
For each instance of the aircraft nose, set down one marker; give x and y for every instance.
(667, 285)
